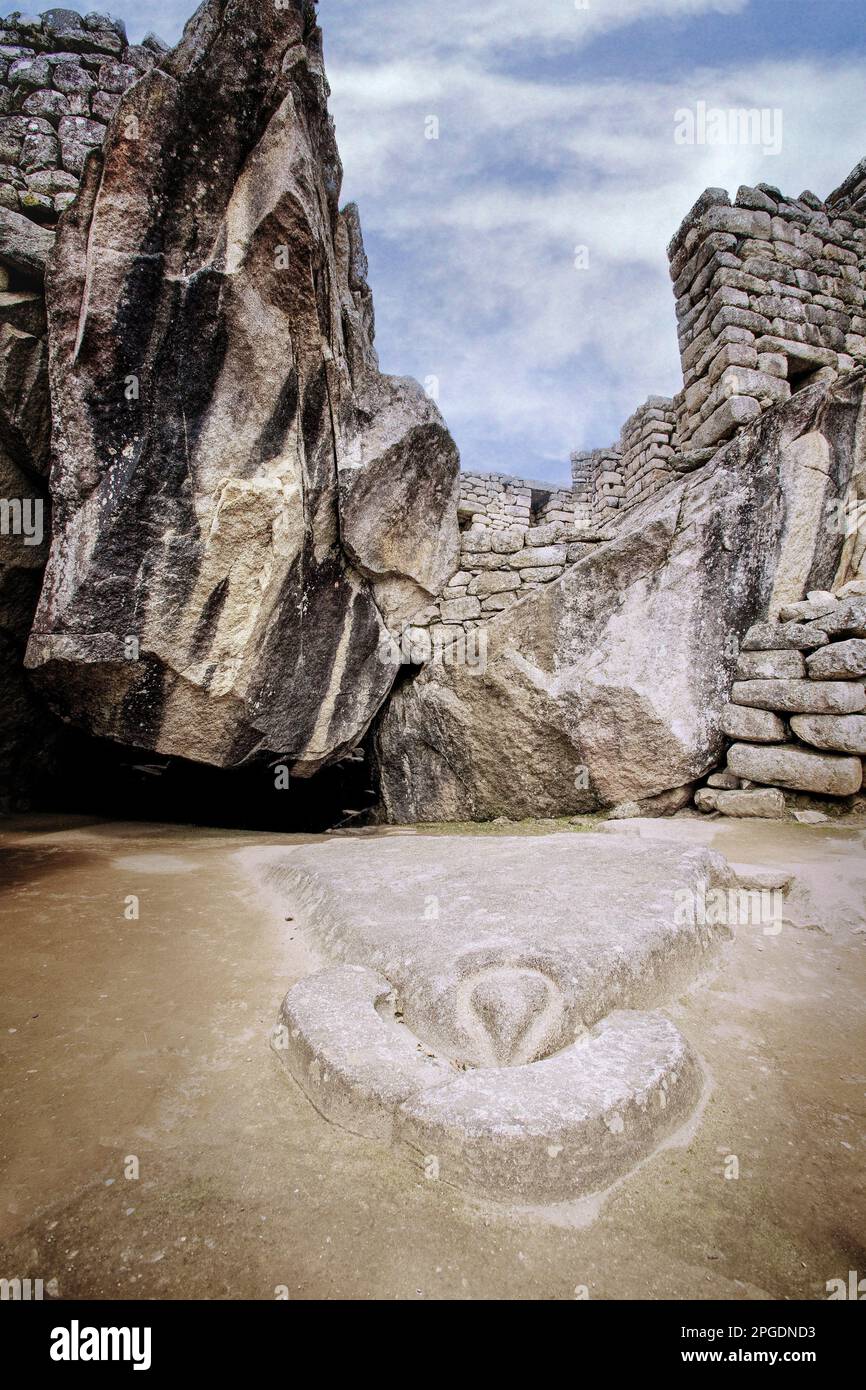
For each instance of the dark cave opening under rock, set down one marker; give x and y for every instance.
(87, 776)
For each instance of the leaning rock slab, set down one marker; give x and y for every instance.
(607, 686)
(797, 769)
(229, 463)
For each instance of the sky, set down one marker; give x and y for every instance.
(520, 166)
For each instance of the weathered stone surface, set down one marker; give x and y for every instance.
(25, 415)
(808, 467)
(608, 685)
(494, 582)
(788, 664)
(240, 496)
(383, 903)
(839, 661)
(27, 736)
(733, 413)
(515, 1018)
(724, 780)
(568, 1126)
(23, 245)
(848, 620)
(705, 799)
(776, 636)
(756, 725)
(665, 804)
(458, 609)
(806, 610)
(340, 1039)
(842, 733)
(801, 697)
(797, 769)
(768, 804)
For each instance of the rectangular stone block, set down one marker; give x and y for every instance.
(839, 661)
(768, 390)
(753, 725)
(541, 555)
(739, 222)
(459, 609)
(768, 666)
(801, 697)
(730, 416)
(739, 318)
(494, 582)
(774, 637)
(509, 540)
(841, 733)
(797, 769)
(542, 575)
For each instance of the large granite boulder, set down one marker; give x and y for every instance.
(243, 505)
(609, 685)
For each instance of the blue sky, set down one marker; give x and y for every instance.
(556, 131)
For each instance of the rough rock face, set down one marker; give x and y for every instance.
(242, 502)
(26, 739)
(609, 685)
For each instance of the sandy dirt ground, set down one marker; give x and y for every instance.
(152, 1146)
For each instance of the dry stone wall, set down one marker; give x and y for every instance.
(770, 298)
(498, 501)
(797, 716)
(61, 79)
(517, 534)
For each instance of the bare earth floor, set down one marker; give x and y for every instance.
(144, 1045)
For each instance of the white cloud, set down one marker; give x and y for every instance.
(491, 27)
(474, 233)
(472, 236)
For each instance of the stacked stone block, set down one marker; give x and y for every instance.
(61, 79)
(850, 196)
(498, 566)
(648, 444)
(770, 296)
(797, 715)
(598, 478)
(582, 485)
(499, 501)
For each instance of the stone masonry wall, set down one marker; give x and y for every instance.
(516, 534)
(610, 481)
(797, 717)
(770, 296)
(61, 78)
(497, 500)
